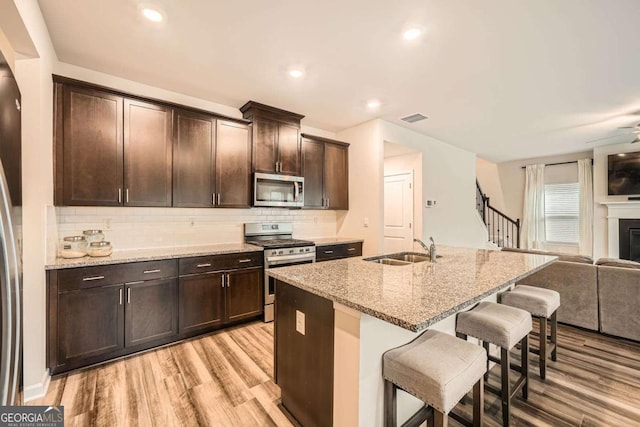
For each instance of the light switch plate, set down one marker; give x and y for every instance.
(300, 322)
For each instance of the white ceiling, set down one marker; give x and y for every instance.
(505, 79)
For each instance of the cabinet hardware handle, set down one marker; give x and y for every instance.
(222, 281)
(218, 199)
(134, 283)
(120, 294)
(119, 195)
(327, 202)
(128, 295)
(213, 199)
(126, 195)
(328, 252)
(351, 249)
(245, 260)
(323, 202)
(208, 264)
(228, 281)
(151, 271)
(88, 279)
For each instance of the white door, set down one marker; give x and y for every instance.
(398, 212)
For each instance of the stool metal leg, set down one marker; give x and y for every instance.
(543, 347)
(390, 404)
(506, 387)
(478, 403)
(554, 335)
(524, 363)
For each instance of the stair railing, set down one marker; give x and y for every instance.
(502, 230)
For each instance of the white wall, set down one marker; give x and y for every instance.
(405, 163)
(366, 191)
(34, 79)
(489, 179)
(448, 176)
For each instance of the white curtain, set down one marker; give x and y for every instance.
(585, 179)
(533, 232)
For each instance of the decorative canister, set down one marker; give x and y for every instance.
(100, 248)
(93, 235)
(73, 247)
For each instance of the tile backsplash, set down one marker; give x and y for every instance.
(138, 228)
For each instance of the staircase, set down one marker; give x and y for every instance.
(502, 230)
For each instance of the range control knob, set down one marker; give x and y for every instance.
(279, 252)
(290, 251)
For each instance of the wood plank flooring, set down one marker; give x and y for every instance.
(225, 379)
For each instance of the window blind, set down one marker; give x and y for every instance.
(561, 206)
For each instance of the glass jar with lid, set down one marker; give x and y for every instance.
(73, 247)
(93, 236)
(99, 249)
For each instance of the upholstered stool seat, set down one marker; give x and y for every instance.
(505, 327)
(438, 369)
(543, 305)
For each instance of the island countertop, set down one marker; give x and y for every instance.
(418, 295)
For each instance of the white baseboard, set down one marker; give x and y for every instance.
(38, 390)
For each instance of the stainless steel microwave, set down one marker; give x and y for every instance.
(278, 190)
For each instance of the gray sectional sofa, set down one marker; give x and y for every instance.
(602, 296)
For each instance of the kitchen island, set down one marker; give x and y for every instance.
(334, 321)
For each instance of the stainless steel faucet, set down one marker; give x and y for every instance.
(431, 249)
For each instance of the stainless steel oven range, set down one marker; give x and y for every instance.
(280, 250)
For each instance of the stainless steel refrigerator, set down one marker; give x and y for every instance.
(10, 237)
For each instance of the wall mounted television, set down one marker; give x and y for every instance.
(624, 174)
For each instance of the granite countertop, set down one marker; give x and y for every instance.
(418, 295)
(325, 241)
(120, 257)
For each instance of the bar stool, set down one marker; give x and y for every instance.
(543, 305)
(438, 369)
(505, 327)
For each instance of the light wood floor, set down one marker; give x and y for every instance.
(225, 379)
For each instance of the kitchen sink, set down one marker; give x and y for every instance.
(401, 258)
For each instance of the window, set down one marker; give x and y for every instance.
(561, 212)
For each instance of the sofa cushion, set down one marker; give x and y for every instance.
(561, 256)
(616, 262)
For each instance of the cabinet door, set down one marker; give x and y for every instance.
(10, 139)
(233, 164)
(336, 176)
(289, 149)
(92, 147)
(244, 294)
(151, 312)
(90, 323)
(265, 138)
(313, 172)
(147, 154)
(201, 302)
(193, 179)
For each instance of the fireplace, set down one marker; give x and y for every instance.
(629, 239)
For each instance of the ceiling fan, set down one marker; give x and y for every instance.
(634, 130)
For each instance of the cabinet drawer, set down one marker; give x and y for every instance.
(90, 277)
(325, 253)
(204, 264)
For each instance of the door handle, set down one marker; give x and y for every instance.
(328, 252)
(126, 195)
(88, 279)
(151, 271)
(228, 281)
(208, 264)
(327, 202)
(128, 295)
(222, 281)
(242, 261)
(213, 199)
(218, 199)
(351, 249)
(119, 195)
(120, 295)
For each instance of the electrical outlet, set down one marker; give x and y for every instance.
(300, 322)
(365, 221)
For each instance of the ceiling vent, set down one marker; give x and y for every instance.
(414, 118)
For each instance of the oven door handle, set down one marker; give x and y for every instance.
(306, 257)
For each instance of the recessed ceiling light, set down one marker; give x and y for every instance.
(412, 33)
(296, 73)
(153, 15)
(373, 104)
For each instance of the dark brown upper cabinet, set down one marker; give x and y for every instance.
(326, 173)
(10, 132)
(193, 159)
(233, 165)
(147, 154)
(276, 139)
(89, 149)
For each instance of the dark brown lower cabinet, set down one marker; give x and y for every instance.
(90, 324)
(151, 311)
(244, 294)
(201, 302)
